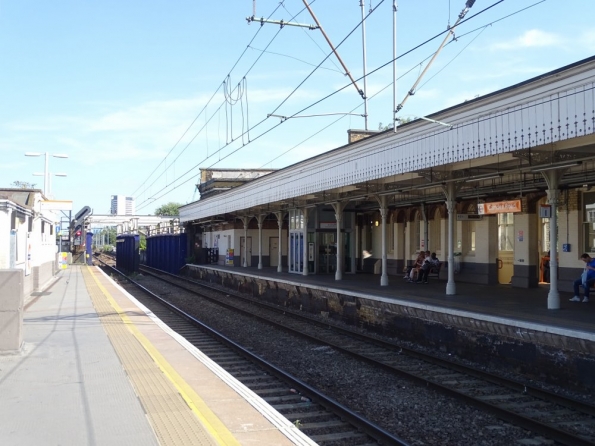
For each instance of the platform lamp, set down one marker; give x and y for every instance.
(49, 185)
(46, 180)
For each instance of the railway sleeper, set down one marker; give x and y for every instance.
(298, 406)
(341, 436)
(324, 425)
(317, 415)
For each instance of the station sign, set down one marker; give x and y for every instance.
(84, 212)
(465, 217)
(499, 207)
(328, 225)
(55, 205)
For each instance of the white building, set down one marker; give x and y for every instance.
(121, 205)
(28, 237)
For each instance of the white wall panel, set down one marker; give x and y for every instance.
(581, 100)
(562, 114)
(514, 126)
(590, 108)
(526, 128)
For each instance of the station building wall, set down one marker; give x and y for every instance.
(232, 239)
(28, 243)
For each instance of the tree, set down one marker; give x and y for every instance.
(23, 185)
(402, 121)
(170, 208)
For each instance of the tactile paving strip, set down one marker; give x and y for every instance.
(168, 412)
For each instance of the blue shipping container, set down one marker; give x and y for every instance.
(127, 252)
(167, 252)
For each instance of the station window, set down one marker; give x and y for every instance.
(506, 231)
(434, 233)
(417, 232)
(472, 235)
(469, 236)
(589, 222)
(296, 219)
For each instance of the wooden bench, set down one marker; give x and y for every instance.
(435, 270)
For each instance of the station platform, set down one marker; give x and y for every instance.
(97, 368)
(525, 307)
(497, 324)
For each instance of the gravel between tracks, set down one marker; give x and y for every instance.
(414, 413)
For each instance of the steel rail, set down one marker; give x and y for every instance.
(518, 419)
(378, 433)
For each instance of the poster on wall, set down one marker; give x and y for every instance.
(229, 257)
(63, 260)
(28, 256)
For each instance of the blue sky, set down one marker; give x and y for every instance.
(123, 88)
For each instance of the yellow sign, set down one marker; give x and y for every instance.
(499, 207)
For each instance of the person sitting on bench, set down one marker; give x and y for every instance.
(413, 273)
(429, 263)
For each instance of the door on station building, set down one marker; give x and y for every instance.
(346, 236)
(505, 247)
(543, 237)
(296, 252)
(327, 252)
(274, 251)
(246, 251)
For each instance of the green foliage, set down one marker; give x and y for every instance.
(170, 208)
(401, 121)
(23, 185)
(142, 244)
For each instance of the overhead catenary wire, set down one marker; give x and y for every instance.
(299, 60)
(263, 120)
(206, 105)
(315, 43)
(411, 92)
(323, 60)
(243, 132)
(306, 78)
(173, 184)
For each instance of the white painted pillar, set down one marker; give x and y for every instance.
(339, 207)
(245, 220)
(305, 242)
(260, 219)
(450, 191)
(383, 214)
(279, 216)
(339, 271)
(552, 177)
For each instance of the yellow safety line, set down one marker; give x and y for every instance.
(209, 420)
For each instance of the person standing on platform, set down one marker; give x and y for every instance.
(587, 279)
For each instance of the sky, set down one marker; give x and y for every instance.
(142, 94)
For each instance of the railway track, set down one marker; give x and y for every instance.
(321, 418)
(565, 420)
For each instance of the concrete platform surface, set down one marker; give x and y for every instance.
(96, 368)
